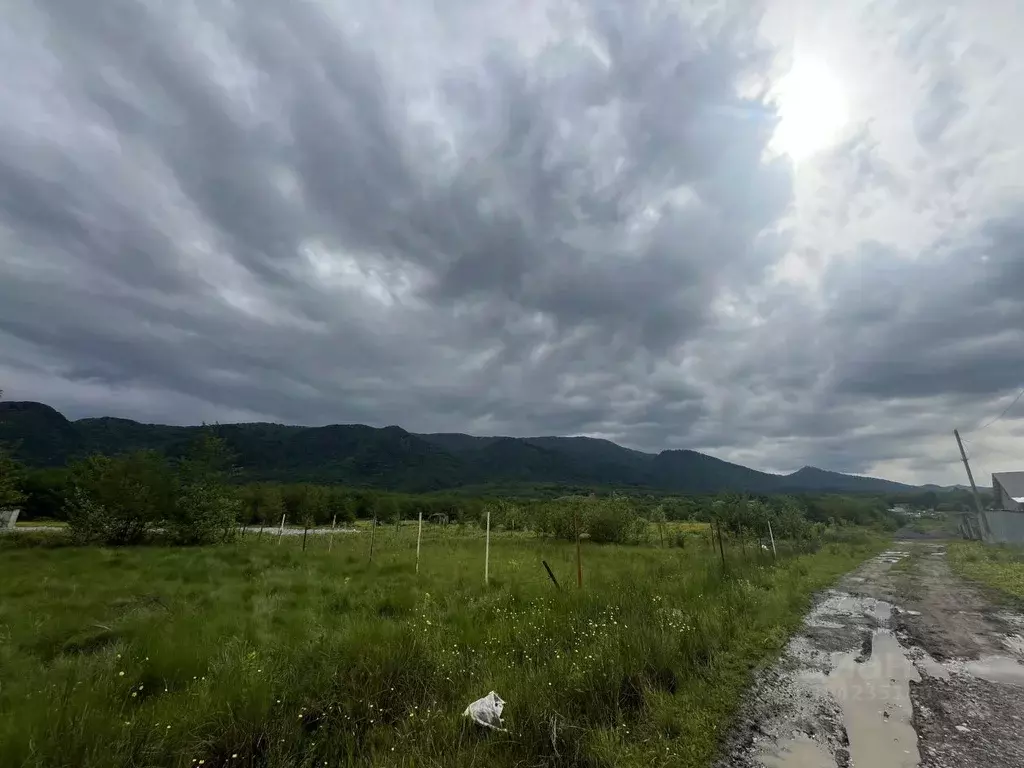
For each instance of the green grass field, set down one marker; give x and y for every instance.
(257, 654)
(999, 567)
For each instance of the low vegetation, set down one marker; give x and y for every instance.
(127, 499)
(167, 624)
(256, 653)
(1000, 567)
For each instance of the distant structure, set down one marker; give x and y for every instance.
(1004, 522)
(8, 517)
(1008, 488)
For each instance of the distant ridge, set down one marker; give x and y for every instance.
(392, 458)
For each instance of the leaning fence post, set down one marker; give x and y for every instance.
(305, 531)
(373, 533)
(280, 533)
(775, 555)
(550, 574)
(419, 537)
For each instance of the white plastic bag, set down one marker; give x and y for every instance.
(487, 711)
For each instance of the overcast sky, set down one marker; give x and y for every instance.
(783, 235)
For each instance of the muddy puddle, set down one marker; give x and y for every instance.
(997, 669)
(873, 697)
(801, 751)
(842, 695)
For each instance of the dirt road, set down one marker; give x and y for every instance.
(903, 664)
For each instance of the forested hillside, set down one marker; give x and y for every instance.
(392, 458)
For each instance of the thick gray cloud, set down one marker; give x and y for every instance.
(517, 218)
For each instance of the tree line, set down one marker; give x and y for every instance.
(195, 499)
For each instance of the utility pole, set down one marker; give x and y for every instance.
(970, 475)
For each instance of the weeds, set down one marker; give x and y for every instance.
(998, 566)
(257, 654)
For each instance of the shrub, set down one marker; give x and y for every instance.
(611, 520)
(205, 508)
(119, 500)
(10, 475)
(561, 517)
(614, 521)
(202, 512)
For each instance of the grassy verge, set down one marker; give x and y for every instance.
(999, 567)
(257, 654)
(56, 524)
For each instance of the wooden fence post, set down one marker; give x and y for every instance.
(487, 548)
(721, 546)
(419, 538)
(550, 574)
(579, 555)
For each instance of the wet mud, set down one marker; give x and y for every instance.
(901, 665)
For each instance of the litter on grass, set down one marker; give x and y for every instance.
(487, 711)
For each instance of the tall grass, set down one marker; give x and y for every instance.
(257, 654)
(998, 566)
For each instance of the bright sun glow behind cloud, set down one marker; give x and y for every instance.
(812, 109)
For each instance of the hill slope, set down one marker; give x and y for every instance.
(358, 455)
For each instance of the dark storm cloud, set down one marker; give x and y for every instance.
(501, 218)
(951, 323)
(592, 210)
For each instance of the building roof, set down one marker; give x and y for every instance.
(1011, 482)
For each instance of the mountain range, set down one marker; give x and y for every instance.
(392, 458)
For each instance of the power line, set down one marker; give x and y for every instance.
(1005, 411)
(987, 448)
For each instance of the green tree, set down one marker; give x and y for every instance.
(10, 481)
(46, 493)
(386, 509)
(614, 520)
(261, 503)
(293, 497)
(119, 500)
(206, 508)
(341, 504)
(317, 506)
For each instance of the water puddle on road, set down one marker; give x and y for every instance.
(875, 701)
(800, 752)
(997, 669)
(932, 668)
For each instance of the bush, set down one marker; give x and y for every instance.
(204, 508)
(10, 477)
(46, 494)
(614, 521)
(123, 500)
(119, 500)
(605, 521)
(202, 512)
(561, 517)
